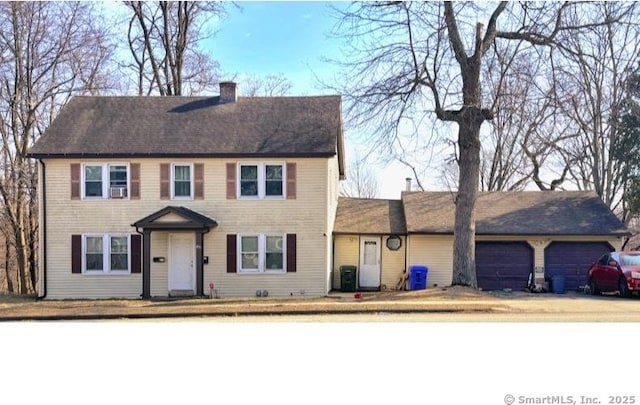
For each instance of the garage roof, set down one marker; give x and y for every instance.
(369, 216)
(515, 213)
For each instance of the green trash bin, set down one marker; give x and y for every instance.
(348, 278)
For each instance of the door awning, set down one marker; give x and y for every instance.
(173, 218)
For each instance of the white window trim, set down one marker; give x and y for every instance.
(106, 195)
(262, 254)
(262, 181)
(106, 254)
(191, 180)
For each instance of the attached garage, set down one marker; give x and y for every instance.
(572, 260)
(502, 265)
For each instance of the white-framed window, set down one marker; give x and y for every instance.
(105, 180)
(261, 180)
(182, 181)
(106, 254)
(261, 253)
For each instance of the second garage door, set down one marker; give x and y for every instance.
(572, 260)
(502, 265)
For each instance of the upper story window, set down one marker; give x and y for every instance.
(105, 181)
(273, 180)
(182, 181)
(261, 180)
(249, 180)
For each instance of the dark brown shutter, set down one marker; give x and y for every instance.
(136, 253)
(134, 181)
(164, 181)
(76, 254)
(291, 181)
(291, 253)
(231, 254)
(75, 181)
(198, 180)
(231, 181)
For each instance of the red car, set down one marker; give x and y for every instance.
(616, 271)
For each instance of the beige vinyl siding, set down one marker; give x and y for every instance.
(159, 271)
(306, 216)
(346, 253)
(393, 263)
(309, 280)
(435, 252)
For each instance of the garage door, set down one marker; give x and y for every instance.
(503, 265)
(572, 259)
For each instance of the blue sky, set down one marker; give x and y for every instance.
(264, 38)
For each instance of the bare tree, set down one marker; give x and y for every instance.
(410, 59)
(50, 51)
(163, 39)
(361, 181)
(265, 86)
(594, 68)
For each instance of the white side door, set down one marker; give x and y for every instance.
(181, 262)
(369, 275)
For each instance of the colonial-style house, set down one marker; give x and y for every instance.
(157, 196)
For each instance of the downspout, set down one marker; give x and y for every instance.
(43, 224)
(333, 260)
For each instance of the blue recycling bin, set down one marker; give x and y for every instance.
(557, 284)
(418, 277)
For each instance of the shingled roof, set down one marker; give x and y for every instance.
(369, 216)
(195, 126)
(515, 213)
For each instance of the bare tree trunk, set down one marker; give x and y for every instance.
(464, 244)
(7, 264)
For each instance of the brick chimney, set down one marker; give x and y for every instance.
(228, 92)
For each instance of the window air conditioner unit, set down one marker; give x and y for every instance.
(118, 192)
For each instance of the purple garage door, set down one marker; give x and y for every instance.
(572, 260)
(503, 265)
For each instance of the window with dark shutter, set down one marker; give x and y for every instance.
(291, 181)
(198, 180)
(136, 253)
(76, 254)
(164, 181)
(231, 254)
(75, 181)
(231, 181)
(135, 181)
(291, 253)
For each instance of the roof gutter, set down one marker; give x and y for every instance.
(43, 224)
(123, 155)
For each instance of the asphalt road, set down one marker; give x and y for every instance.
(579, 316)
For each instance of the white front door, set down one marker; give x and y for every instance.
(369, 262)
(181, 262)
